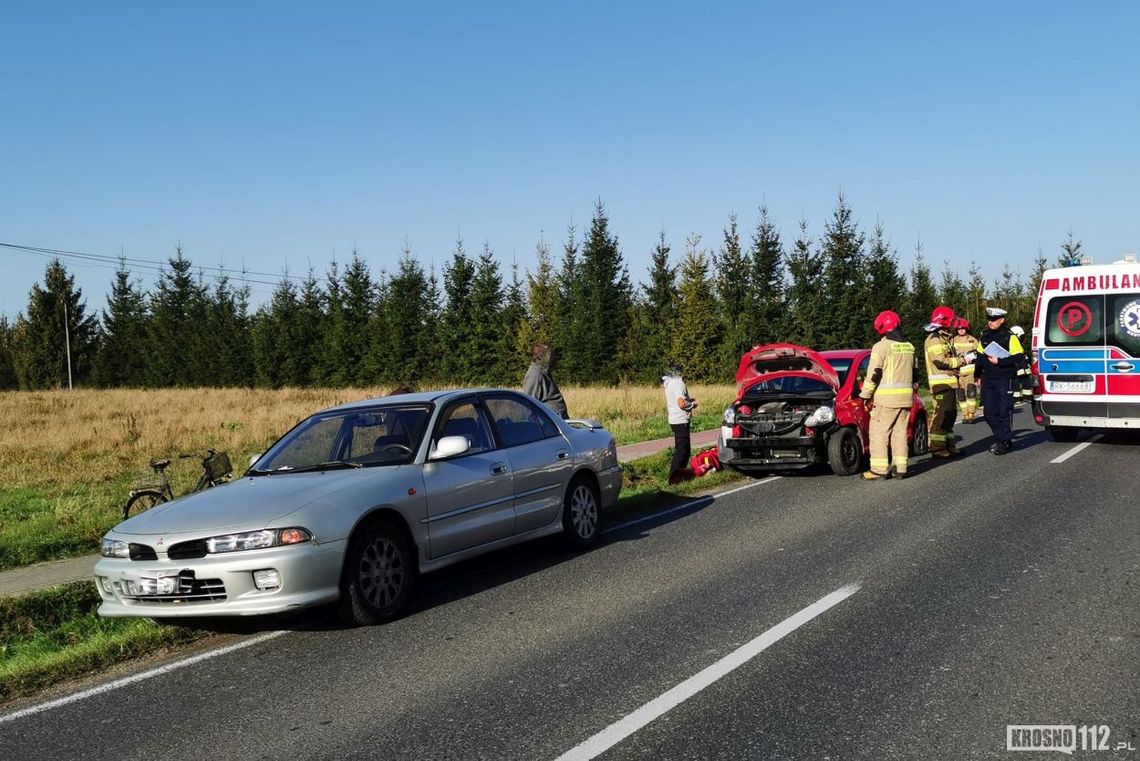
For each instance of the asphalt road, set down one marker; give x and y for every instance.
(979, 593)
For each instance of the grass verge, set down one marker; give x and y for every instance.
(55, 634)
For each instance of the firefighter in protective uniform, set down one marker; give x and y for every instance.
(890, 388)
(964, 344)
(942, 367)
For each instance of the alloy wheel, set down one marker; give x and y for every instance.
(584, 511)
(382, 572)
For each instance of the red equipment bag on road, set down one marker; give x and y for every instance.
(705, 461)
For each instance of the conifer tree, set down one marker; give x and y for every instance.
(458, 364)
(358, 308)
(485, 343)
(122, 357)
(923, 296)
(274, 351)
(515, 318)
(177, 325)
(8, 379)
(842, 250)
(886, 287)
(975, 298)
(657, 314)
(697, 335)
(56, 315)
(1009, 294)
(1070, 252)
(806, 296)
(572, 313)
(226, 356)
(541, 303)
(331, 368)
(733, 289)
(952, 291)
(406, 307)
(606, 296)
(768, 318)
(431, 367)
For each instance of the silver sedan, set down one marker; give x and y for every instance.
(355, 502)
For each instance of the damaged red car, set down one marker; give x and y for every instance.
(797, 407)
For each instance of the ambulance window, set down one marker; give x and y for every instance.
(1124, 322)
(1075, 321)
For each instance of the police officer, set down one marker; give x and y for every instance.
(964, 345)
(942, 365)
(890, 387)
(998, 368)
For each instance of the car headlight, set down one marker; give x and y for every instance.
(256, 540)
(113, 548)
(730, 415)
(822, 416)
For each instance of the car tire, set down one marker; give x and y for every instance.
(845, 452)
(920, 437)
(141, 501)
(1063, 434)
(379, 575)
(582, 515)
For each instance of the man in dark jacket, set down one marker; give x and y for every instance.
(539, 384)
(998, 369)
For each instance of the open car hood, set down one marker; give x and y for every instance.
(774, 360)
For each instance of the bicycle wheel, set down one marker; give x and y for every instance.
(141, 501)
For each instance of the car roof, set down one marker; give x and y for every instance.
(422, 397)
(841, 353)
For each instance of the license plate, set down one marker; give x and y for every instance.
(1071, 387)
(152, 586)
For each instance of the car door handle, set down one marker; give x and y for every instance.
(498, 469)
(1124, 367)
(562, 454)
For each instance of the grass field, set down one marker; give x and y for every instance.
(69, 459)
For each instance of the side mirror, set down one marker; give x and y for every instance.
(253, 458)
(449, 446)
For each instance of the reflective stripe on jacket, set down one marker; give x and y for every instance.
(963, 345)
(941, 362)
(890, 375)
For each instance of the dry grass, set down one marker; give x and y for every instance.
(68, 459)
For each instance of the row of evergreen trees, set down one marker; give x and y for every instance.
(474, 325)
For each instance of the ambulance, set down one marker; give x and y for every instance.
(1086, 348)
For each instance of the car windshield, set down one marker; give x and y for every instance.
(348, 438)
(788, 384)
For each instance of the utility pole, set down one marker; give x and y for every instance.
(67, 340)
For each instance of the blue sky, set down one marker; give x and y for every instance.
(273, 134)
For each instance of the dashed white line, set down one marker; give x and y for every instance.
(687, 505)
(615, 733)
(1076, 450)
(139, 677)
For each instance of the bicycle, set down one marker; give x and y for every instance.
(216, 469)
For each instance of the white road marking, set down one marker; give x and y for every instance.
(139, 677)
(687, 505)
(1076, 450)
(615, 733)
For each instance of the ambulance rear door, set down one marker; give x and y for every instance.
(1073, 360)
(1122, 331)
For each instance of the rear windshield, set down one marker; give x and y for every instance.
(789, 384)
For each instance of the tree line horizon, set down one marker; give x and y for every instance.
(471, 325)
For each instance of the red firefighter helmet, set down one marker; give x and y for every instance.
(886, 322)
(942, 316)
(960, 323)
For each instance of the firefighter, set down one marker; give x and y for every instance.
(942, 366)
(967, 391)
(679, 406)
(998, 370)
(889, 388)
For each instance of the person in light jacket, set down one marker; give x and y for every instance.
(540, 384)
(679, 406)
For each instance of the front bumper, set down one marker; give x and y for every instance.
(222, 585)
(769, 452)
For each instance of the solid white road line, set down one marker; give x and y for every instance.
(687, 505)
(615, 733)
(1076, 450)
(139, 677)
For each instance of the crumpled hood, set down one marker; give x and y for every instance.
(772, 360)
(251, 501)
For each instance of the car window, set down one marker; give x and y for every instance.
(1075, 321)
(464, 419)
(841, 366)
(516, 422)
(788, 384)
(378, 436)
(311, 444)
(861, 373)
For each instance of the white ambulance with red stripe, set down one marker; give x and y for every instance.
(1086, 348)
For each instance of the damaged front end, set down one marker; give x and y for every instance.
(774, 434)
